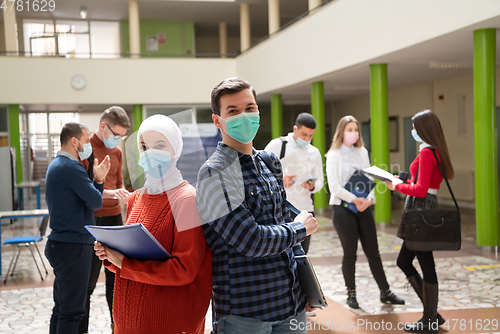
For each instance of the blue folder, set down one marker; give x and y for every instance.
(134, 241)
(360, 186)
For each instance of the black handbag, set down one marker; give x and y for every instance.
(433, 229)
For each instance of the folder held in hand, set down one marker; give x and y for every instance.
(134, 241)
(360, 186)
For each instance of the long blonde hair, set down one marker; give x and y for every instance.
(338, 137)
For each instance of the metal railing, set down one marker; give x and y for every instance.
(94, 55)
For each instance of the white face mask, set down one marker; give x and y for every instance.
(87, 151)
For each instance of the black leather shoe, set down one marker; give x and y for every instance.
(388, 297)
(351, 298)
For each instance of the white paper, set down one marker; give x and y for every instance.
(382, 174)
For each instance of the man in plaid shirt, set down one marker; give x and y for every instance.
(247, 226)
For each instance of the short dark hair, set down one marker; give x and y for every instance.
(305, 119)
(71, 130)
(229, 86)
(116, 116)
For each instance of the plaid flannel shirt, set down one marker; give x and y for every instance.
(251, 235)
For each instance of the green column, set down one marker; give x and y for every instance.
(137, 120)
(276, 116)
(379, 137)
(485, 137)
(15, 137)
(137, 116)
(318, 111)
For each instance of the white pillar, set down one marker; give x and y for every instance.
(134, 31)
(244, 26)
(274, 15)
(314, 3)
(223, 39)
(9, 23)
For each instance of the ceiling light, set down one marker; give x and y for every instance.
(83, 12)
(357, 88)
(449, 65)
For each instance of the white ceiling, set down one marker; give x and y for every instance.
(407, 67)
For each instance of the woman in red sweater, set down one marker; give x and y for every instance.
(421, 191)
(162, 296)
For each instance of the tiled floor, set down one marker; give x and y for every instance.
(469, 287)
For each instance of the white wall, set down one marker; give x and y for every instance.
(117, 81)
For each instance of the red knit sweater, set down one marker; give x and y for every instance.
(429, 175)
(154, 297)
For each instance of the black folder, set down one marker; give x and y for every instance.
(134, 241)
(360, 186)
(309, 282)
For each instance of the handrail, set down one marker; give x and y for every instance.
(97, 55)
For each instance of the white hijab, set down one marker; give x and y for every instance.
(167, 127)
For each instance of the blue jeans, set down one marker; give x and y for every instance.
(233, 324)
(71, 263)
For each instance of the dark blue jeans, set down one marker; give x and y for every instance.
(71, 264)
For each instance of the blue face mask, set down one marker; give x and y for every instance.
(87, 151)
(416, 136)
(112, 141)
(301, 142)
(156, 162)
(243, 127)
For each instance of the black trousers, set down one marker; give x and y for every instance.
(350, 228)
(425, 259)
(94, 275)
(71, 264)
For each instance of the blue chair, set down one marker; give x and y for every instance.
(27, 241)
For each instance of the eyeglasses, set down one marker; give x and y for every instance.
(115, 135)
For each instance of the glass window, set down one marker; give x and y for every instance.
(73, 38)
(38, 123)
(72, 26)
(105, 39)
(57, 120)
(39, 37)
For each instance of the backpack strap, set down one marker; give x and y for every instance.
(278, 174)
(283, 147)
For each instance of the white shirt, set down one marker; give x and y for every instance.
(340, 165)
(313, 169)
